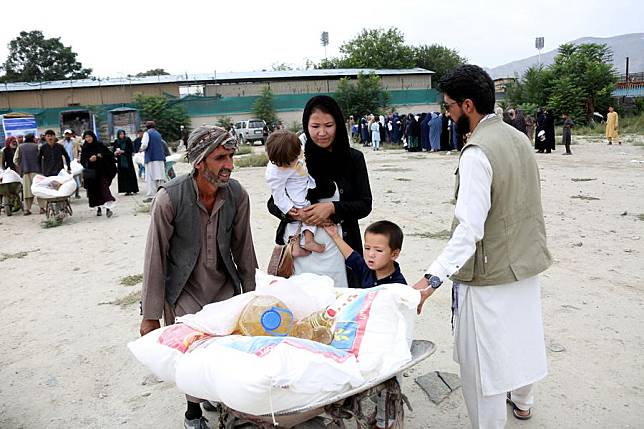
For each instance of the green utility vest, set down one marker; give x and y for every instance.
(513, 247)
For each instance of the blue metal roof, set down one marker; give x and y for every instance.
(629, 92)
(187, 79)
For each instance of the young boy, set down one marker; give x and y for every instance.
(377, 265)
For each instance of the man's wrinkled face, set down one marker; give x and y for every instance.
(217, 167)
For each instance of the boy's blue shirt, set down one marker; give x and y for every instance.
(367, 277)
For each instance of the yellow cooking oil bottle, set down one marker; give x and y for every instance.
(266, 316)
(317, 326)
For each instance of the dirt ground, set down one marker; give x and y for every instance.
(67, 317)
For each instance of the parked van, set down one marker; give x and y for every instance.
(250, 131)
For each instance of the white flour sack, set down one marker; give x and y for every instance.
(376, 325)
(9, 176)
(206, 358)
(62, 185)
(160, 349)
(260, 375)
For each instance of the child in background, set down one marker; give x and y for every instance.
(377, 265)
(289, 180)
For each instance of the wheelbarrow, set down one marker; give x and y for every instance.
(333, 412)
(58, 208)
(10, 195)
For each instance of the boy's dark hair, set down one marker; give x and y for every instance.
(470, 81)
(50, 133)
(390, 229)
(283, 147)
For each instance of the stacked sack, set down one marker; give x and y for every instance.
(48, 187)
(206, 358)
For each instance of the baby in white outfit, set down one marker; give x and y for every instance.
(289, 180)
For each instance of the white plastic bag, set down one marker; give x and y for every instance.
(76, 168)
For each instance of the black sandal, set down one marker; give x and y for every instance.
(515, 410)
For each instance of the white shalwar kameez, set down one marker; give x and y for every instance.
(498, 329)
(154, 170)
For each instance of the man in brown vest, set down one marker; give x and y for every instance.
(497, 249)
(199, 248)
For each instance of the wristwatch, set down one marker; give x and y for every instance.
(433, 281)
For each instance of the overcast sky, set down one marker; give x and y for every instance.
(117, 37)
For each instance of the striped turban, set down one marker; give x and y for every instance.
(205, 139)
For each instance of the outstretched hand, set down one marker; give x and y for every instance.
(425, 292)
(331, 229)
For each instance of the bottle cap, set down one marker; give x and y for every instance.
(271, 320)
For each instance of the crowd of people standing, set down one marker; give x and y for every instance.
(430, 131)
(47, 155)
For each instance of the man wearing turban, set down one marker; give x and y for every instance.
(199, 247)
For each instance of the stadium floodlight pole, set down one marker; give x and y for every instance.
(324, 39)
(538, 43)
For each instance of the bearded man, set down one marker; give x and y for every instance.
(494, 257)
(199, 247)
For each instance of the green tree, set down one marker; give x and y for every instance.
(534, 87)
(169, 116)
(362, 97)
(281, 67)
(375, 48)
(264, 107)
(32, 58)
(437, 58)
(152, 72)
(225, 122)
(586, 72)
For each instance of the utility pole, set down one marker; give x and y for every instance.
(324, 40)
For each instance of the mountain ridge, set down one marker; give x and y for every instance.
(624, 45)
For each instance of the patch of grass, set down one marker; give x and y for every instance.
(391, 146)
(127, 300)
(627, 125)
(389, 191)
(585, 197)
(254, 160)
(640, 217)
(440, 235)
(18, 255)
(51, 222)
(142, 208)
(131, 280)
(243, 150)
(577, 179)
(402, 179)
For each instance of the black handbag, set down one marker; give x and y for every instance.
(89, 173)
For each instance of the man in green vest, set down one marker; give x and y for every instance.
(199, 248)
(496, 251)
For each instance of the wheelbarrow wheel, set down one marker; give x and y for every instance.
(50, 211)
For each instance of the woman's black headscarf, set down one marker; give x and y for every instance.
(324, 165)
(106, 166)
